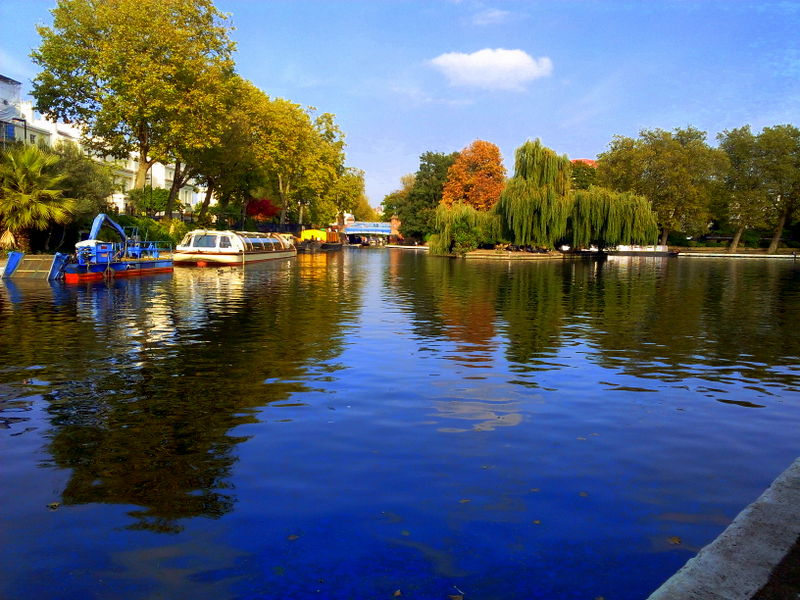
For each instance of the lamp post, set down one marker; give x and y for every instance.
(24, 128)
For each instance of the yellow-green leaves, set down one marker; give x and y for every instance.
(536, 201)
(139, 75)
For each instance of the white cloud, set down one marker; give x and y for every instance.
(492, 69)
(491, 16)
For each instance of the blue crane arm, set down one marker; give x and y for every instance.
(103, 219)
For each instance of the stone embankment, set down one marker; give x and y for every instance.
(745, 560)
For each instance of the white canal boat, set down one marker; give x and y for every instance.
(205, 247)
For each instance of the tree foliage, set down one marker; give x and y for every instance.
(363, 210)
(301, 156)
(676, 171)
(148, 200)
(140, 76)
(416, 208)
(476, 177)
(605, 218)
(461, 228)
(536, 201)
(583, 175)
(743, 202)
(345, 194)
(31, 194)
(86, 180)
(395, 200)
(779, 164)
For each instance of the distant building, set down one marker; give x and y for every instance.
(19, 122)
(586, 161)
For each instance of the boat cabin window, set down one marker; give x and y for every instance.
(205, 241)
(225, 241)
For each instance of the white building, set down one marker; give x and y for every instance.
(19, 122)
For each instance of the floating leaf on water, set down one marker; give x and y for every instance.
(455, 597)
(537, 522)
(583, 494)
(405, 532)
(674, 540)
(397, 593)
(535, 489)
(583, 439)
(293, 537)
(54, 505)
(464, 501)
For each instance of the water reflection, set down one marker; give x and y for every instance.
(149, 377)
(662, 319)
(412, 423)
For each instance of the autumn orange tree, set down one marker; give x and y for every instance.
(476, 178)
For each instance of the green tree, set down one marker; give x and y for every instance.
(461, 228)
(139, 75)
(31, 194)
(744, 200)
(149, 200)
(231, 169)
(301, 156)
(583, 175)
(675, 171)
(363, 211)
(396, 199)
(346, 194)
(536, 201)
(605, 219)
(779, 159)
(416, 210)
(89, 182)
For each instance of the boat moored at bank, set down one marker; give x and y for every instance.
(95, 259)
(203, 247)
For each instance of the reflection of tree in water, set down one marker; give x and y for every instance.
(666, 319)
(149, 422)
(468, 301)
(654, 318)
(531, 304)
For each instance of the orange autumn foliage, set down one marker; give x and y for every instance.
(476, 177)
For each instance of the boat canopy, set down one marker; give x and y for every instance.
(368, 228)
(210, 240)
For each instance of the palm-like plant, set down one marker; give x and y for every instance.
(30, 194)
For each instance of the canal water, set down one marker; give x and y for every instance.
(383, 424)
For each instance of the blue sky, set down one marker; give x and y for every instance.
(406, 77)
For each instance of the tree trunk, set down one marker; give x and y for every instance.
(141, 174)
(283, 192)
(23, 240)
(179, 179)
(735, 241)
(201, 214)
(664, 236)
(776, 237)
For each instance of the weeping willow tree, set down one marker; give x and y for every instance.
(605, 218)
(460, 228)
(536, 201)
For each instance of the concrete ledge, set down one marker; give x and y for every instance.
(727, 255)
(739, 562)
(505, 255)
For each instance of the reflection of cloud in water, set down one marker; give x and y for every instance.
(176, 570)
(489, 415)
